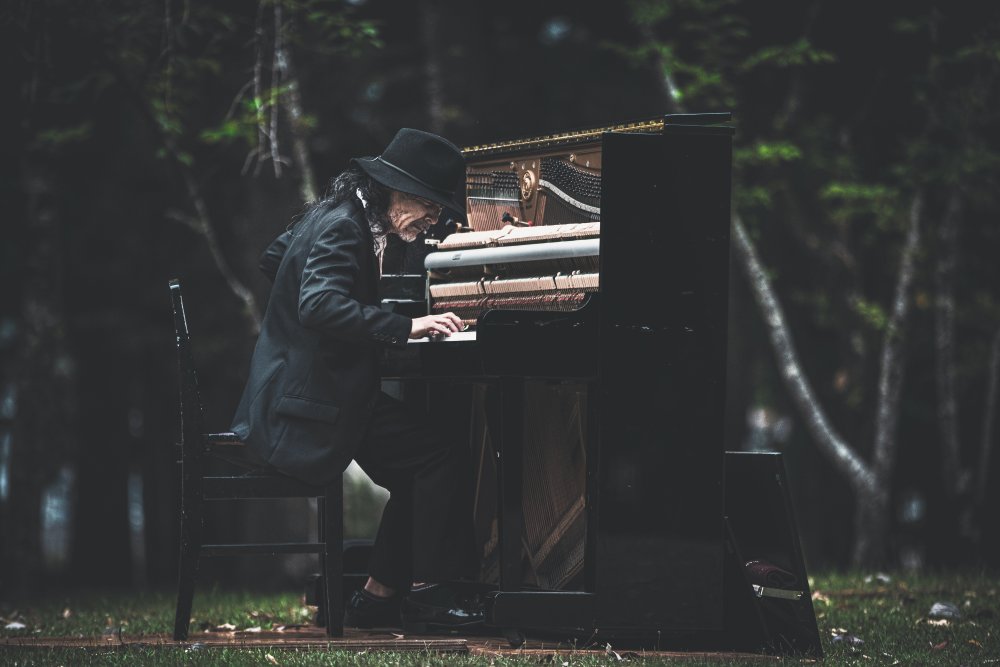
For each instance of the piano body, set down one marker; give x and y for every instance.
(594, 280)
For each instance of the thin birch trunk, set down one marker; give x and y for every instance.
(891, 365)
(871, 518)
(830, 442)
(291, 100)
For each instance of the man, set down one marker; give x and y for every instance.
(312, 401)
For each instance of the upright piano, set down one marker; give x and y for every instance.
(592, 275)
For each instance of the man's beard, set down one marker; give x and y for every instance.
(408, 235)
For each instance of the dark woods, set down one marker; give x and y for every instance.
(177, 138)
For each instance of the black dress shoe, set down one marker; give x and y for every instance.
(370, 611)
(444, 609)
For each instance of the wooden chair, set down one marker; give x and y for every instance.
(197, 449)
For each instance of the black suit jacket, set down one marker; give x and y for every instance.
(314, 375)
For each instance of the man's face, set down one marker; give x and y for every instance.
(409, 215)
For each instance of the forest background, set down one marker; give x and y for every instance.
(154, 140)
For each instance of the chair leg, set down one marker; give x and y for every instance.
(320, 589)
(333, 556)
(191, 522)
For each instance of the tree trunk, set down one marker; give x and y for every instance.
(44, 375)
(989, 418)
(430, 18)
(830, 443)
(871, 514)
(944, 346)
(291, 100)
(871, 527)
(891, 366)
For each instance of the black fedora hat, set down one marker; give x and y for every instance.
(422, 164)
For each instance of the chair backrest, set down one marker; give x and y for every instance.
(192, 416)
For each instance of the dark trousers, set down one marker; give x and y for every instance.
(426, 533)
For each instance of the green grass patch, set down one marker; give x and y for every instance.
(863, 619)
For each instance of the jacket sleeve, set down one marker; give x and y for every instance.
(325, 301)
(271, 259)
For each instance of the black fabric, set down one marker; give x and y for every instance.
(314, 374)
(426, 532)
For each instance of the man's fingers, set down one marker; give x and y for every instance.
(448, 322)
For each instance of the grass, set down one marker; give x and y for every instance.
(863, 620)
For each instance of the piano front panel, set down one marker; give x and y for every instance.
(662, 368)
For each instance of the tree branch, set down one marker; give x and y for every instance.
(671, 93)
(258, 88)
(843, 456)
(204, 222)
(891, 364)
(276, 73)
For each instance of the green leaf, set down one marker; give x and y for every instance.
(768, 153)
(796, 54)
(872, 313)
(54, 138)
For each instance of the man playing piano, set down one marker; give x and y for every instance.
(312, 401)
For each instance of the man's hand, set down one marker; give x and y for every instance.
(443, 324)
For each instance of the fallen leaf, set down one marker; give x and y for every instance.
(253, 629)
(939, 621)
(271, 659)
(225, 627)
(975, 643)
(942, 645)
(67, 613)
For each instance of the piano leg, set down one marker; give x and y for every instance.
(510, 453)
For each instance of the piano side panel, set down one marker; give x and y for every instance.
(662, 327)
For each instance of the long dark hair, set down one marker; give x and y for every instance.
(346, 186)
